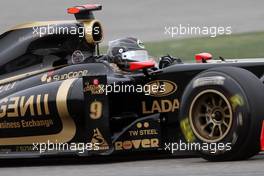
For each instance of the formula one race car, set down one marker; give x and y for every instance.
(58, 96)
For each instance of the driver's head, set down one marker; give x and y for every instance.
(127, 50)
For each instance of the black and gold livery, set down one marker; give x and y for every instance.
(48, 95)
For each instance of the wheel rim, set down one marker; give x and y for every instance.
(210, 116)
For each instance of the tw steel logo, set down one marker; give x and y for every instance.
(18, 106)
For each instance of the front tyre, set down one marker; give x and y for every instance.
(222, 111)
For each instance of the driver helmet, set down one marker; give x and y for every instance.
(125, 50)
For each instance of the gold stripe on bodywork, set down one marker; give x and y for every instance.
(42, 23)
(68, 125)
(28, 74)
(88, 25)
(46, 23)
(69, 128)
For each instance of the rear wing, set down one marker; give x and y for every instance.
(84, 12)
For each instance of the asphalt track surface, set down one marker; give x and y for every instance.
(145, 19)
(155, 167)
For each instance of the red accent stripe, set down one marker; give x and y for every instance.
(206, 56)
(78, 9)
(141, 65)
(73, 10)
(262, 137)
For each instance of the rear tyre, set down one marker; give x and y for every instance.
(222, 111)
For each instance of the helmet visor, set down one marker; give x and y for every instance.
(136, 55)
